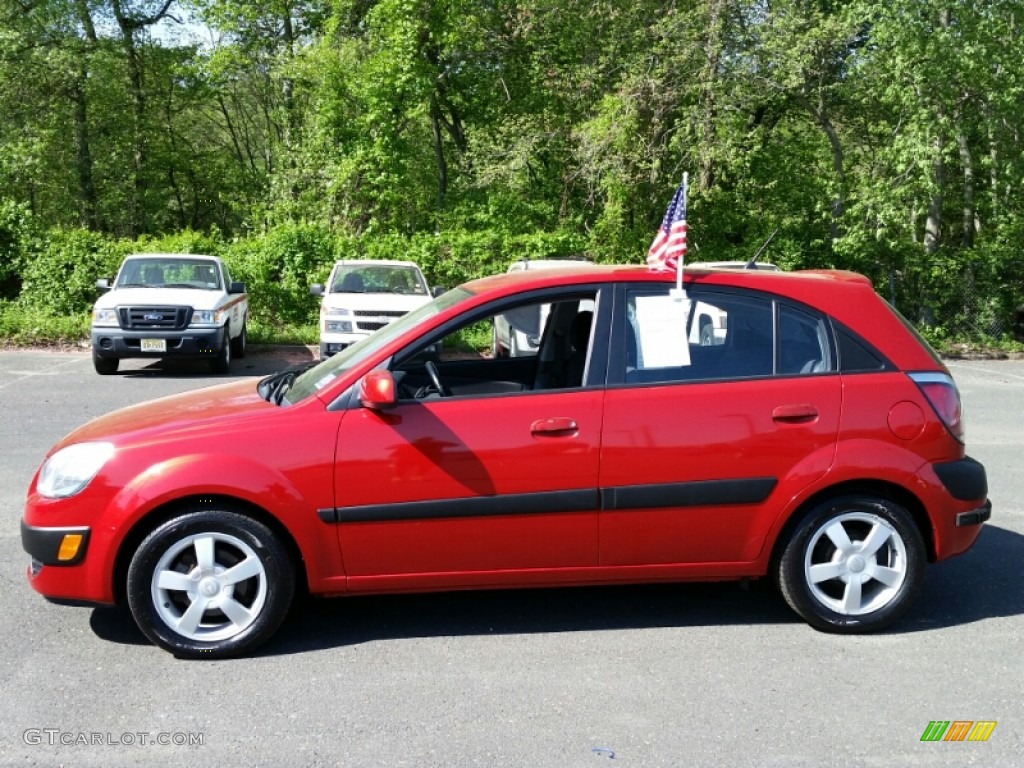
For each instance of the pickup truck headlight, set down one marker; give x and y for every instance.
(207, 317)
(70, 469)
(332, 325)
(104, 317)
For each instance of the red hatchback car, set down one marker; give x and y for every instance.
(817, 440)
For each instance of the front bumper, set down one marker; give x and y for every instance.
(332, 343)
(62, 546)
(192, 342)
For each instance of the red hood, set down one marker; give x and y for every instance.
(174, 413)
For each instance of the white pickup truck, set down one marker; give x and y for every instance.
(169, 305)
(364, 295)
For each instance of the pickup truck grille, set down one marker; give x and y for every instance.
(154, 318)
(374, 320)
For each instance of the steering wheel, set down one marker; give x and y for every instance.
(435, 378)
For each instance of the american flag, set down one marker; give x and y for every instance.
(669, 245)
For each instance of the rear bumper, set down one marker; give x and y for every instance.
(958, 518)
(964, 479)
(975, 516)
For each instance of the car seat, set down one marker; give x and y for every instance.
(353, 283)
(153, 275)
(579, 337)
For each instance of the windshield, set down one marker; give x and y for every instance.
(378, 278)
(320, 376)
(169, 272)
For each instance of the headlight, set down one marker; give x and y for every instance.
(104, 317)
(70, 469)
(207, 317)
(337, 326)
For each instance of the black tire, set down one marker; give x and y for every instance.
(205, 628)
(707, 331)
(239, 343)
(222, 362)
(104, 365)
(496, 349)
(867, 583)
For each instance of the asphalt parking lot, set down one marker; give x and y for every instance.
(669, 675)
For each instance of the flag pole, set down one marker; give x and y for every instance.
(679, 293)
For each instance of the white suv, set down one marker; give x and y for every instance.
(517, 332)
(362, 296)
(712, 324)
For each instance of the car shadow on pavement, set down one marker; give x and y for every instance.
(979, 585)
(983, 583)
(320, 624)
(260, 361)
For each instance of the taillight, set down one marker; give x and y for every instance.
(941, 392)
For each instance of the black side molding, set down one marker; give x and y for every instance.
(703, 493)
(475, 506)
(668, 495)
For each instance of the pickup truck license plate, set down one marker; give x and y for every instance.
(154, 345)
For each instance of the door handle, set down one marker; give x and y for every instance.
(794, 414)
(559, 425)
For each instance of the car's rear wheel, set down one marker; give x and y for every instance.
(853, 564)
(222, 362)
(210, 584)
(104, 365)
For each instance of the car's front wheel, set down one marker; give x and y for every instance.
(210, 584)
(104, 365)
(222, 362)
(853, 564)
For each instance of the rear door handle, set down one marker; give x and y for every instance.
(559, 425)
(795, 414)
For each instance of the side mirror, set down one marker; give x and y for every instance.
(316, 289)
(437, 290)
(377, 390)
(236, 288)
(103, 285)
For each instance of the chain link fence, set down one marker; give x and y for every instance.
(981, 303)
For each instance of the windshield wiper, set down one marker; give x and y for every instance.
(273, 387)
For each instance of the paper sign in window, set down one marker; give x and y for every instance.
(662, 324)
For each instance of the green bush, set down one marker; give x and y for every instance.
(60, 280)
(17, 237)
(278, 268)
(55, 287)
(188, 241)
(23, 325)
